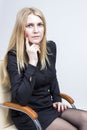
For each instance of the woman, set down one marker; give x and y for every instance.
(30, 69)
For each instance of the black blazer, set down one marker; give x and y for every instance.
(42, 90)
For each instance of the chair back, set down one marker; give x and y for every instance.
(5, 95)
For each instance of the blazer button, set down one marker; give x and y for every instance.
(48, 90)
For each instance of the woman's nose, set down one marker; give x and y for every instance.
(35, 28)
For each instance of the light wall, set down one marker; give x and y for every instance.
(67, 26)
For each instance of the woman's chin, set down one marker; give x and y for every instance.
(37, 43)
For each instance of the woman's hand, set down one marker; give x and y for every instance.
(60, 106)
(32, 52)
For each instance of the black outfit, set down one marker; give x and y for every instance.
(39, 93)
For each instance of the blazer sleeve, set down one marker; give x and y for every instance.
(55, 90)
(21, 85)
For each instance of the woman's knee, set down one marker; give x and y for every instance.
(60, 124)
(83, 117)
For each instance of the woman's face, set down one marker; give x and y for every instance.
(34, 29)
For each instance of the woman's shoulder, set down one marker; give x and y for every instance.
(51, 46)
(51, 43)
(12, 56)
(11, 53)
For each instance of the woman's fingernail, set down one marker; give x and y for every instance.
(58, 110)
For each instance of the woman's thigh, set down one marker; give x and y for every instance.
(75, 116)
(60, 124)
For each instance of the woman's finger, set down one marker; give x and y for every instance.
(27, 43)
(59, 106)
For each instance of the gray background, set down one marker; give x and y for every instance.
(67, 26)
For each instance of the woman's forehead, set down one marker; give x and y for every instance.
(33, 18)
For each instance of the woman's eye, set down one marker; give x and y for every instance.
(29, 25)
(40, 24)
(32, 25)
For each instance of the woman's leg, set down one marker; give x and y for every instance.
(60, 124)
(76, 117)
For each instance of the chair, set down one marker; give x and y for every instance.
(5, 105)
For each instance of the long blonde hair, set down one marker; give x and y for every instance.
(17, 41)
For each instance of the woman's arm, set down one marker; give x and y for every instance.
(21, 84)
(55, 91)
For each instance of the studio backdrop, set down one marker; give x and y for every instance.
(67, 27)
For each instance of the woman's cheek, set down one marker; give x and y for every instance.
(26, 33)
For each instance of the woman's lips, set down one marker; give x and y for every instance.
(36, 37)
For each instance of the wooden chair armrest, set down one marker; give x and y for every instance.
(28, 110)
(67, 98)
(25, 109)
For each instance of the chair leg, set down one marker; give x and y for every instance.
(37, 124)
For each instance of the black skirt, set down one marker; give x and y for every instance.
(45, 117)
